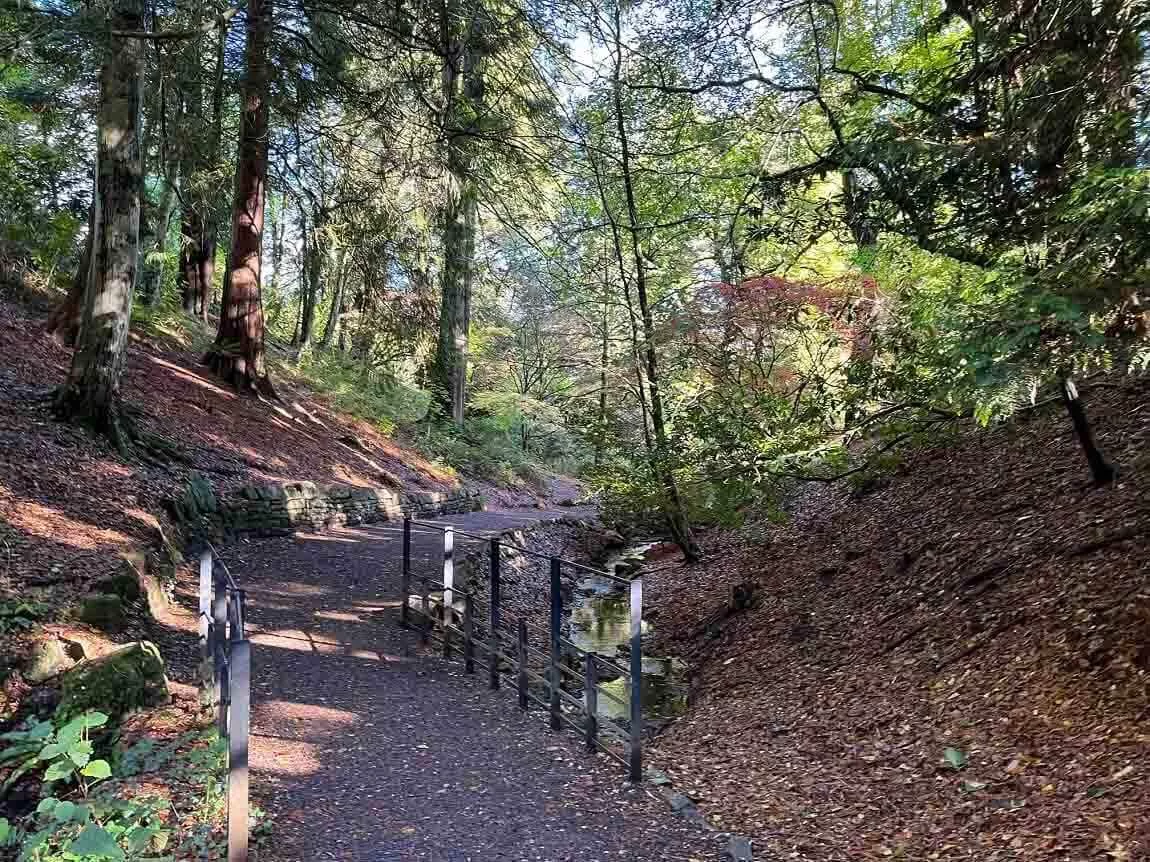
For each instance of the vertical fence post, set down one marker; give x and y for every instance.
(205, 604)
(448, 582)
(240, 685)
(218, 632)
(555, 676)
(494, 596)
(636, 752)
(405, 577)
(425, 606)
(468, 634)
(521, 655)
(590, 699)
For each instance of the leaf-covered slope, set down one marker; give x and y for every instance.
(987, 599)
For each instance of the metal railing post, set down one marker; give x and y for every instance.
(405, 576)
(636, 752)
(425, 605)
(590, 699)
(205, 621)
(240, 685)
(494, 596)
(555, 677)
(219, 639)
(521, 656)
(448, 583)
(468, 634)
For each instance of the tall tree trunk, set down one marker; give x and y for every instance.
(314, 263)
(676, 515)
(331, 328)
(604, 358)
(64, 321)
(238, 354)
(463, 96)
(91, 393)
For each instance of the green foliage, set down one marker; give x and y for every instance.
(64, 752)
(20, 615)
(375, 397)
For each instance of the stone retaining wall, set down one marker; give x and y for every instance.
(282, 507)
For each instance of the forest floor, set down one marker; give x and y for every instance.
(955, 665)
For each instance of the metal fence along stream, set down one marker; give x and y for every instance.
(544, 667)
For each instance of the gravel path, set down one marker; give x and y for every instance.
(368, 749)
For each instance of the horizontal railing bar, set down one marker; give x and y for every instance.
(613, 755)
(443, 528)
(574, 701)
(537, 676)
(609, 696)
(608, 724)
(533, 698)
(574, 725)
(423, 579)
(622, 671)
(591, 570)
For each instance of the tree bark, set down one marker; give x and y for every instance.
(1101, 470)
(677, 522)
(463, 63)
(332, 328)
(91, 393)
(64, 321)
(314, 262)
(238, 354)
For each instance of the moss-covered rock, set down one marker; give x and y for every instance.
(125, 584)
(126, 679)
(46, 659)
(104, 611)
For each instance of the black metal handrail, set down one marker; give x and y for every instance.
(452, 628)
(227, 665)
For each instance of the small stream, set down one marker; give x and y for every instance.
(597, 621)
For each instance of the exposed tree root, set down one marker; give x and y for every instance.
(119, 424)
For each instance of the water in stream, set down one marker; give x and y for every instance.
(598, 621)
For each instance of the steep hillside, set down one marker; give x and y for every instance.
(955, 665)
(71, 508)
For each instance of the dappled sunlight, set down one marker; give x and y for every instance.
(191, 377)
(321, 537)
(346, 476)
(290, 588)
(338, 616)
(295, 731)
(52, 524)
(307, 414)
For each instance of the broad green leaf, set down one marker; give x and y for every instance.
(5, 830)
(51, 751)
(93, 719)
(65, 811)
(47, 804)
(97, 769)
(95, 841)
(59, 770)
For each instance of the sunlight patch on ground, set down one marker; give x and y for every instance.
(290, 588)
(347, 476)
(55, 526)
(338, 616)
(320, 537)
(189, 377)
